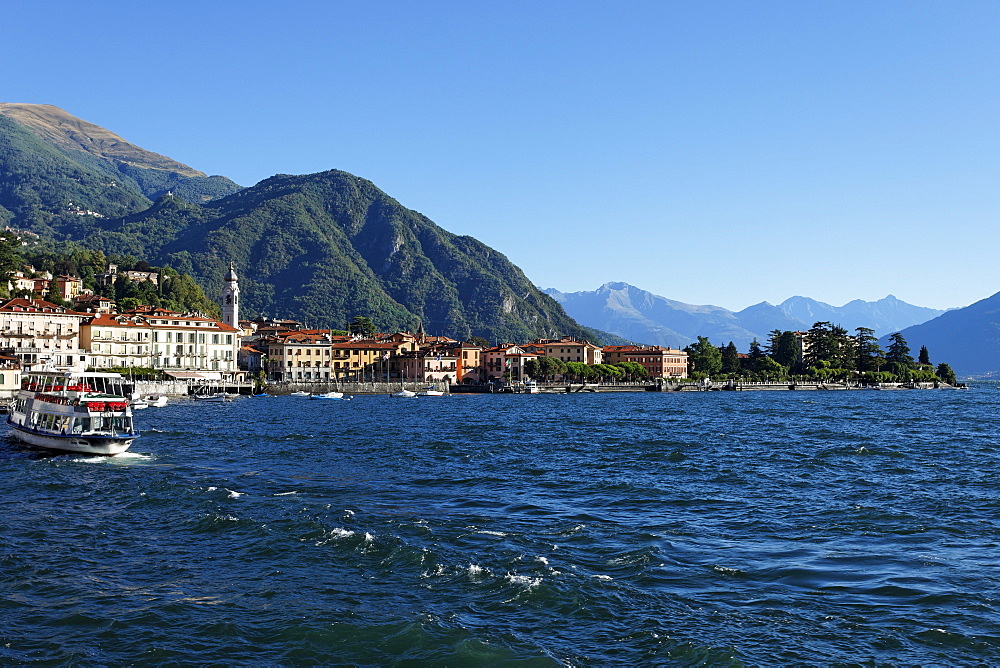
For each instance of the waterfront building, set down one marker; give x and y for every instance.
(156, 337)
(496, 361)
(250, 357)
(297, 356)
(468, 361)
(515, 361)
(36, 331)
(569, 349)
(428, 364)
(658, 361)
(358, 359)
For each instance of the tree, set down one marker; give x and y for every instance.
(731, 358)
(769, 369)
(899, 352)
(784, 348)
(56, 294)
(704, 357)
(608, 371)
(361, 325)
(946, 373)
(478, 341)
(10, 254)
(826, 342)
(923, 356)
(544, 367)
(868, 355)
(632, 370)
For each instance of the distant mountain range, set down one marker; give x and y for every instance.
(641, 316)
(967, 338)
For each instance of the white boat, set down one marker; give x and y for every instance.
(156, 400)
(138, 403)
(217, 397)
(429, 391)
(327, 395)
(300, 393)
(404, 394)
(70, 411)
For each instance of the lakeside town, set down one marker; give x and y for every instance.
(93, 333)
(193, 350)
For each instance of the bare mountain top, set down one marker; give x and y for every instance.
(71, 133)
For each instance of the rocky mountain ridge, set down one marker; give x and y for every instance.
(642, 316)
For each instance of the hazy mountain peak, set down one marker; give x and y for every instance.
(639, 315)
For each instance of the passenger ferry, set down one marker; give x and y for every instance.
(73, 412)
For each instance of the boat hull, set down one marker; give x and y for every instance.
(90, 445)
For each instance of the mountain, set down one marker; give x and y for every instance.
(325, 247)
(967, 338)
(885, 316)
(58, 171)
(641, 316)
(320, 248)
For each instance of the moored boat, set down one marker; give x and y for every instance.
(68, 411)
(156, 400)
(217, 397)
(327, 395)
(429, 391)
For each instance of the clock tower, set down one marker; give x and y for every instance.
(231, 298)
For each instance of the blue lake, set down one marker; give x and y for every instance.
(717, 528)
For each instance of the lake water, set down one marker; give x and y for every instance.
(717, 528)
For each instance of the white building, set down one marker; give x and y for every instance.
(36, 331)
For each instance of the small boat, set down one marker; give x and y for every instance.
(139, 403)
(300, 393)
(71, 411)
(156, 400)
(404, 394)
(218, 397)
(327, 395)
(429, 391)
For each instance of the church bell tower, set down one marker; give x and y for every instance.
(231, 298)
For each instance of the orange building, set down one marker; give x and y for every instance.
(659, 362)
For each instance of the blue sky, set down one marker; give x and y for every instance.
(711, 152)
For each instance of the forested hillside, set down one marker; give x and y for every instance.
(325, 247)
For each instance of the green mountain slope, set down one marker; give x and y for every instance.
(59, 173)
(42, 190)
(325, 247)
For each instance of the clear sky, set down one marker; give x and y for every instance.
(711, 152)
